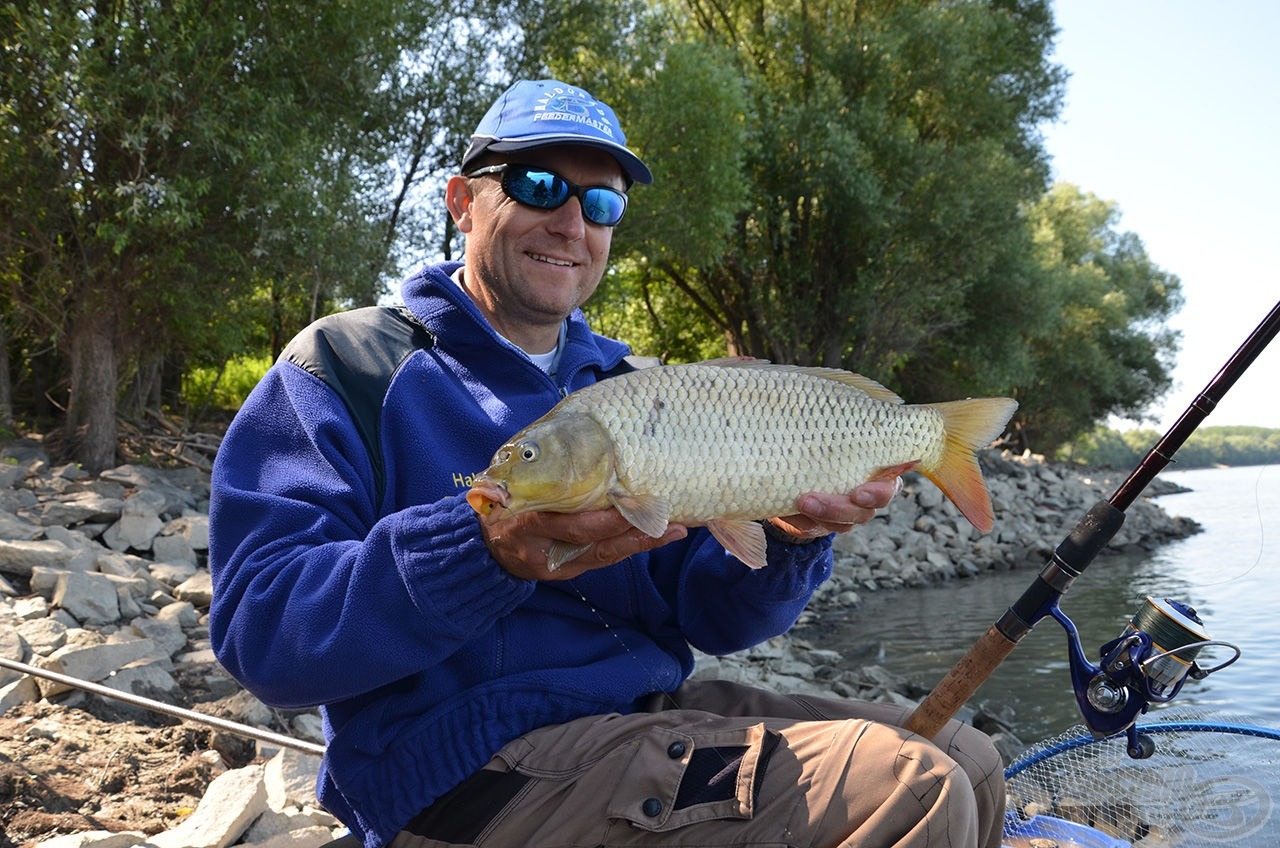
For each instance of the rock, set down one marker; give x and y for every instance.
(231, 803)
(197, 589)
(291, 779)
(166, 634)
(194, 529)
(89, 598)
(21, 557)
(21, 691)
(139, 522)
(174, 549)
(13, 527)
(148, 681)
(104, 579)
(95, 839)
(75, 508)
(94, 662)
(43, 635)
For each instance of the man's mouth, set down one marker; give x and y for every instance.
(551, 260)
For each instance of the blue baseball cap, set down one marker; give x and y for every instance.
(541, 113)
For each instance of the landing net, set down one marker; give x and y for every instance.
(1211, 782)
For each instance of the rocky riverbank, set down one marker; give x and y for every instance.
(103, 578)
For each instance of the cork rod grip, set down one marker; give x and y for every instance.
(961, 682)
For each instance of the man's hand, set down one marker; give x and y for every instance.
(520, 543)
(819, 514)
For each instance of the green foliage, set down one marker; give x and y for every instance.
(838, 182)
(889, 148)
(185, 178)
(1106, 349)
(653, 318)
(224, 387)
(1204, 448)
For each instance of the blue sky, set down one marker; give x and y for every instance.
(1173, 113)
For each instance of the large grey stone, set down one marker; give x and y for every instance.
(22, 556)
(90, 597)
(233, 800)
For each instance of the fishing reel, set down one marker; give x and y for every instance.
(1147, 663)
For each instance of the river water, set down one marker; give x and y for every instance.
(1230, 574)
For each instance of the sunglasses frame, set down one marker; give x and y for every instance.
(575, 190)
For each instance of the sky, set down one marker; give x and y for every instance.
(1172, 112)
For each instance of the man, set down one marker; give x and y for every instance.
(470, 694)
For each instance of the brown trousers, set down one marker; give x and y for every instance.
(719, 764)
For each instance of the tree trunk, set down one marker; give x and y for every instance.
(6, 384)
(90, 428)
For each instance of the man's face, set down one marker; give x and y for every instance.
(529, 268)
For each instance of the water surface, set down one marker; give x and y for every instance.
(1230, 574)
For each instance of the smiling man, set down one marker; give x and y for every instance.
(470, 694)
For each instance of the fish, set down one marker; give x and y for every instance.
(726, 443)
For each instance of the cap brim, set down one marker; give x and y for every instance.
(636, 170)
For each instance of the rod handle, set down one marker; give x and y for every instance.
(961, 682)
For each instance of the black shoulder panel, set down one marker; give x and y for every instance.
(356, 353)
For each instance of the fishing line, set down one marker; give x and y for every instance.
(653, 681)
(1262, 534)
(654, 684)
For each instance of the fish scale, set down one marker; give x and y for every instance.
(728, 442)
(756, 439)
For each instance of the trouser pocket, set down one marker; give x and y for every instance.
(641, 779)
(675, 777)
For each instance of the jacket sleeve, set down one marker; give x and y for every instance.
(315, 598)
(723, 606)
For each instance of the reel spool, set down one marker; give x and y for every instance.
(1177, 635)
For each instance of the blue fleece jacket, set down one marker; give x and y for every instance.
(363, 586)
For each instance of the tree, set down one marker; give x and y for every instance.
(1107, 350)
(889, 148)
(166, 164)
(863, 185)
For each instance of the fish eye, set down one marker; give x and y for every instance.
(529, 452)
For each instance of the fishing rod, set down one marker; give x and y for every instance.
(167, 709)
(1156, 653)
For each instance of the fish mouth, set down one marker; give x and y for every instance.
(486, 495)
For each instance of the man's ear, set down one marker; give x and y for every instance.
(458, 199)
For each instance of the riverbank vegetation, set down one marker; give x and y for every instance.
(1207, 447)
(839, 183)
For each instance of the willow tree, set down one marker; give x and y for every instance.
(837, 181)
(161, 161)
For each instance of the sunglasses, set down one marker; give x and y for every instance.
(544, 189)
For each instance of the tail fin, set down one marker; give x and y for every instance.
(968, 425)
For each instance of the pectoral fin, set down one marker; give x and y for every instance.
(558, 553)
(744, 539)
(647, 513)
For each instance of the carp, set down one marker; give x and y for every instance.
(725, 443)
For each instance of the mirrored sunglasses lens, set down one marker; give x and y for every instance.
(541, 189)
(603, 206)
